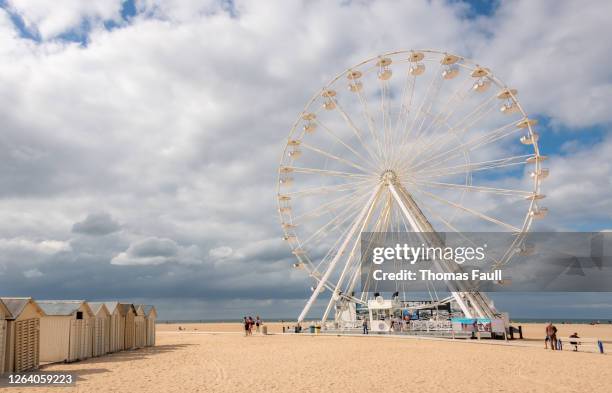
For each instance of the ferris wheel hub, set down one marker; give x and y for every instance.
(388, 176)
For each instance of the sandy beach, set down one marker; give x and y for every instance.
(203, 361)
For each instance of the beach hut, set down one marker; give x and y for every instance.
(140, 327)
(117, 327)
(128, 314)
(21, 334)
(66, 330)
(101, 333)
(150, 319)
(4, 315)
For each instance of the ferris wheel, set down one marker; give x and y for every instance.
(409, 141)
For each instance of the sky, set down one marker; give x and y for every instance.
(140, 139)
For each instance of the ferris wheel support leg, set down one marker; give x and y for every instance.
(419, 223)
(349, 260)
(339, 254)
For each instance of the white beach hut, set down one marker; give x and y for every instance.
(128, 314)
(21, 334)
(117, 327)
(101, 331)
(66, 330)
(140, 327)
(150, 319)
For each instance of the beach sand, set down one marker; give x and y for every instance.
(196, 361)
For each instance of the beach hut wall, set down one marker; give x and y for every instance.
(101, 331)
(128, 312)
(66, 330)
(140, 332)
(4, 315)
(151, 319)
(116, 328)
(21, 334)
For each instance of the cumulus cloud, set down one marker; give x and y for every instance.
(220, 252)
(156, 251)
(96, 224)
(52, 18)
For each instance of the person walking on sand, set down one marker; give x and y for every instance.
(250, 321)
(551, 334)
(246, 326)
(258, 323)
(365, 325)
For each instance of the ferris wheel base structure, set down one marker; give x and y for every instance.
(472, 303)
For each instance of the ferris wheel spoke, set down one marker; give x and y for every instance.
(450, 226)
(457, 130)
(384, 108)
(462, 125)
(349, 148)
(405, 104)
(441, 117)
(329, 206)
(356, 131)
(469, 210)
(492, 190)
(412, 131)
(473, 167)
(331, 250)
(477, 113)
(327, 189)
(348, 212)
(429, 100)
(473, 144)
(327, 172)
(368, 117)
(334, 157)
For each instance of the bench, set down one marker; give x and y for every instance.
(568, 343)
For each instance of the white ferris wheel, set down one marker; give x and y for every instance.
(409, 141)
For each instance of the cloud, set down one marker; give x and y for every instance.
(50, 19)
(98, 224)
(45, 247)
(156, 251)
(32, 273)
(220, 252)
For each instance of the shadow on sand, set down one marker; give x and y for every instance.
(130, 355)
(135, 354)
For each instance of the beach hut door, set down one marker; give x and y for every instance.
(26, 344)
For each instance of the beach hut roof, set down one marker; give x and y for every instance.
(111, 306)
(96, 307)
(125, 307)
(62, 307)
(148, 309)
(139, 309)
(16, 305)
(4, 311)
